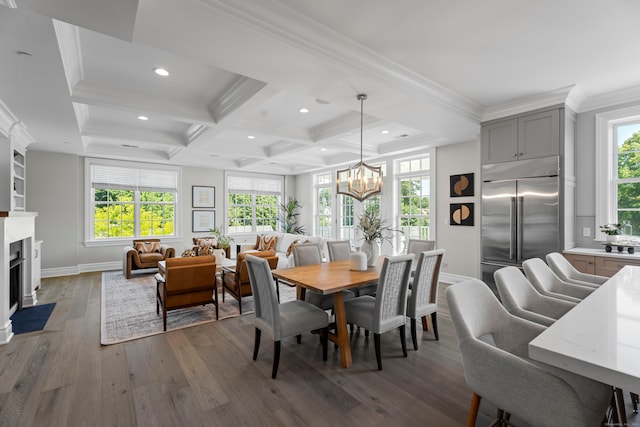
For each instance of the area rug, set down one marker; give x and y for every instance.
(129, 308)
(31, 319)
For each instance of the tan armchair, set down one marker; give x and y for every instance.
(144, 253)
(187, 282)
(236, 281)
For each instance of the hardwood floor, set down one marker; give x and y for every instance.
(204, 375)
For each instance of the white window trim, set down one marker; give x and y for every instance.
(605, 208)
(225, 204)
(89, 242)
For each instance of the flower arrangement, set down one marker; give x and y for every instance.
(611, 229)
(223, 241)
(374, 228)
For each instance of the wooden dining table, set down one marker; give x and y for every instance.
(332, 278)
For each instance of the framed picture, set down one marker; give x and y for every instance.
(203, 221)
(461, 185)
(461, 214)
(203, 197)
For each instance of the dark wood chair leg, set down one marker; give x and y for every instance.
(256, 343)
(376, 341)
(634, 401)
(164, 317)
(277, 289)
(403, 340)
(425, 323)
(414, 334)
(434, 321)
(325, 343)
(473, 410)
(622, 412)
(215, 299)
(299, 338)
(240, 304)
(276, 359)
(614, 410)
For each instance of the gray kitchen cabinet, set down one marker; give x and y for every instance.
(527, 136)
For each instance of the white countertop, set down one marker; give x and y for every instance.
(601, 252)
(600, 337)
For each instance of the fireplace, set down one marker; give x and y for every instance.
(16, 262)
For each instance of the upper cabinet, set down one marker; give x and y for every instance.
(526, 136)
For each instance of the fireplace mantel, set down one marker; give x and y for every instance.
(15, 226)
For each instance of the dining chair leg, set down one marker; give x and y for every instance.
(634, 401)
(299, 338)
(403, 340)
(434, 321)
(325, 343)
(425, 323)
(256, 343)
(414, 334)
(622, 412)
(276, 359)
(277, 289)
(376, 341)
(215, 298)
(164, 316)
(473, 410)
(614, 410)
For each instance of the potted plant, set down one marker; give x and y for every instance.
(612, 231)
(224, 242)
(288, 217)
(374, 231)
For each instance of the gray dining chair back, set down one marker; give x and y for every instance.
(387, 310)
(281, 320)
(567, 272)
(422, 298)
(311, 253)
(547, 283)
(416, 246)
(494, 348)
(339, 250)
(307, 253)
(521, 299)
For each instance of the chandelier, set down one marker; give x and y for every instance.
(360, 181)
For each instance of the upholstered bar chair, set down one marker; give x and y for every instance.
(494, 348)
(311, 253)
(547, 283)
(388, 309)
(281, 320)
(521, 299)
(422, 298)
(567, 272)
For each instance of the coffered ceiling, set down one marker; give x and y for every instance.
(79, 73)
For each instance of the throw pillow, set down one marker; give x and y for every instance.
(147, 247)
(188, 252)
(291, 246)
(205, 241)
(266, 242)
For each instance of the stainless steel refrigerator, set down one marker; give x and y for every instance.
(520, 213)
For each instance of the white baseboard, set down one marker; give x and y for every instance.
(82, 268)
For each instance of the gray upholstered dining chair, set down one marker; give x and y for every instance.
(521, 299)
(422, 298)
(416, 246)
(494, 347)
(338, 249)
(387, 310)
(567, 272)
(547, 283)
(311, 253)
(281, 320)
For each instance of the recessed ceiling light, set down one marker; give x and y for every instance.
(162, 72)
(323, 149)
(251, 137)
(385, 132)
(143, 118)
(304, 110)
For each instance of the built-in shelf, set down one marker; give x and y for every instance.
(18, 179)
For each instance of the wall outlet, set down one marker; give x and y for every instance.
(586, 231)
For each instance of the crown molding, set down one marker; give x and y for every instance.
(7, 119)
(13, 128)
(610, 99)
(68, 37)
(555, 97)
(242, 90)
(276, 20)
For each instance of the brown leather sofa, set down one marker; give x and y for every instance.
(144, 253)
(187, 282)
(236, 281)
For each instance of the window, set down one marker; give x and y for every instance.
(414, 190)
(130, 200)
(252, 202)
(346, 229)
(618, 169)
(324, 213)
